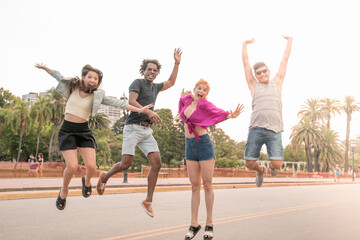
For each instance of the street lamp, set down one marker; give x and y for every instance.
(125, 117)
(353, 144)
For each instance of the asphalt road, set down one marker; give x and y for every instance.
(282, 213)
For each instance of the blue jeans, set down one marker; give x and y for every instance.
(257, 137)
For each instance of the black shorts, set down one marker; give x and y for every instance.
(73, 135)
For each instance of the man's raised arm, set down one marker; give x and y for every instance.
(250, 79)
(177, 57)
(280, 75)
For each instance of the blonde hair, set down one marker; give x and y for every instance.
(202, 81)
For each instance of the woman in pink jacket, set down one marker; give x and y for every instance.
(197, 114)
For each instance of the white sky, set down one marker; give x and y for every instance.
(115, 36)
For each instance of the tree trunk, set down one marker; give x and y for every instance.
(308, 159)
(327, 167)
(51, 140)
(348, 120)
(38, 140)
(20, 141)
(316, 162)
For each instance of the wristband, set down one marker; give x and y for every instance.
(177, 63)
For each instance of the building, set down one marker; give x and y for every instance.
(32, 97)
(114, 113)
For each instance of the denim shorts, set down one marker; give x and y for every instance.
(196, 150)
(257, 138)
(137, 135)
(73, 135)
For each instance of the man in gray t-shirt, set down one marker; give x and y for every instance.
(137, 130)
(266, 122)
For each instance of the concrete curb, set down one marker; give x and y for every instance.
(50, 194)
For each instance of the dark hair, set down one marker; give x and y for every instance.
(77, 83)
(259, 65)
(41, 155)
(145, 62)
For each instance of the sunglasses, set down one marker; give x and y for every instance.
(263, 71)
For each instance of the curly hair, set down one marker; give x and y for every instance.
(145, 62)
(77, 83)
(259, 65)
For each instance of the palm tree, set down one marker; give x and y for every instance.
(20, 120)
(331, 148)
(329, 107)
(349, 106)
(41, 112)
(101, 120)
(307, 132)
(57, 115)
(312, 110)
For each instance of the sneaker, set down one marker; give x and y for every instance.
(148, 208)
(100, 187)
(260, 178)
(274, 172)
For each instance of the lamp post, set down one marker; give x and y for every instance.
(353, 144)
(125, 117)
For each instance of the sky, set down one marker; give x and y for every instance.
(115, 36)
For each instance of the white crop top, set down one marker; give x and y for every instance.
(79, 106)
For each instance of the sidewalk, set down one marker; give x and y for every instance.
(18, 188)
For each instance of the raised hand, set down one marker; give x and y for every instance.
(249, 41)
(177, 55)
(185, 93)
(239, 109)
(287, 37)
(40, 66)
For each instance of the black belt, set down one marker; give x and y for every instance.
(145, 124)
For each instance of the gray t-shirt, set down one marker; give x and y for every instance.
(147, 95)
(267, 107)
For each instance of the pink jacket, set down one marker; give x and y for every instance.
(205, 114)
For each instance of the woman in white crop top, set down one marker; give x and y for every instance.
(83, 100)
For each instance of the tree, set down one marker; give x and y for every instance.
(329, 107)
(20, 120)
(57, 115)
(118, 126)
(331, 149)
(101, 120)
(311, 110)
(226, 149)
(7, 137)
(41, 112)
(170, 137)
(290, 155)
(307, 132)
(5, 97)
(115, 150)
(349, 106)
